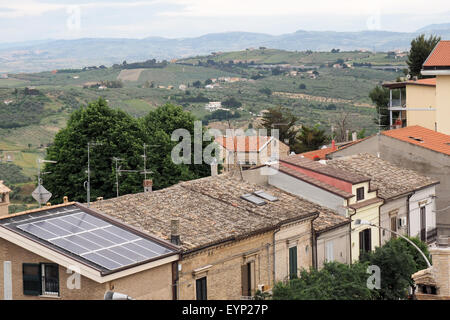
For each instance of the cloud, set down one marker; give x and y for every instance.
(297, 7)
(24, 8)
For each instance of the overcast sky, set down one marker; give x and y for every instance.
(64, 19)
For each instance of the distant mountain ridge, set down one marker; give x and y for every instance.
(57, 54)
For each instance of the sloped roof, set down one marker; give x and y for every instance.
(440, 56)
(243, 143)
(3, 188)
(427, 138)
(296, 174)
(321, 153)
(318, 167)
(390, 179)
(210, 210)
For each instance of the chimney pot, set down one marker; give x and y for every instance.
(48, 204)
(65, 199)
(214, 168)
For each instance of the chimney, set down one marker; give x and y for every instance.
(174, 231)
(48, 204)
(346, 135)
(4, 199)
(354, 136)
(333, 145)
(65, 199)
(148, 184)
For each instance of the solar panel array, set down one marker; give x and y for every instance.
(94, 239)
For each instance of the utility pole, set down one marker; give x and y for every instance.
(88, 183)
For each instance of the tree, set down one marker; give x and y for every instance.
(335, 281)
(302, 86)
(380, 97)
(158, 126)
(397, 260)
(310, 138)
(208, 81)
(232, 103)
(197, 84)
(282, 119)
(421, 48)
(120, 135)
(266, 91)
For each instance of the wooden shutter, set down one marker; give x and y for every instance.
(368, 239)
(31, 274)
(201, 289)
(293, 262)
(245, 280)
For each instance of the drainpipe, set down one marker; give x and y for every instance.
(350, 227)
(408, 211)
(273, 246)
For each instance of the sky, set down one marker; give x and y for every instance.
(26, 20)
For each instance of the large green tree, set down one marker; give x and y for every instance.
(120, 136)
(158, 127)
(421, 48)
(310, 138)
(335, 281)
(282, 119)
(397, 260)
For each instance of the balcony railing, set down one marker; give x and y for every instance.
(398, 103)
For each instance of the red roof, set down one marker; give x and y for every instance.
(243, 143)
(440, 56)
(321, 153)
(425, 82)
(422, 137)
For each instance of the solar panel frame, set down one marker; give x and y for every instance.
(265, 195)
(98, 241)
(254, 199)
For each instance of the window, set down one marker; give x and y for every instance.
(423, 223)
(329, 251)
(360, 194)
(200, 285)
(50, 279)
(365, 240)
(293, 262)
(40, 279)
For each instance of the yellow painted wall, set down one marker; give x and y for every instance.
(369, 213)
(443, 104)
(421, 97)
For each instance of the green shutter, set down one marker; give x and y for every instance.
(293, 262)
(31, 279)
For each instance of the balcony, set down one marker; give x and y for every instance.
(431, 235)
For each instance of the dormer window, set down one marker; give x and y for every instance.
(360, 194)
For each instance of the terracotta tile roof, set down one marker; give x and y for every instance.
(391, 180)
(211, 210)
(440, 56)
(293, 173)
(243, 143)
(321, 153)
(430, 139)
(422, 82)
(3, 188)
(325, 169)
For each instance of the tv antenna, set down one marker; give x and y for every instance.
(87, 184)
(119, 173)
(145, 172)
(40, 194)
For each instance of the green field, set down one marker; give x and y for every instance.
(314, 101)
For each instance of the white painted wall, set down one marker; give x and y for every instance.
(414, 207)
